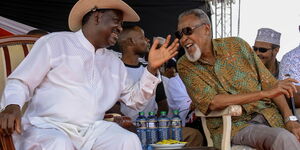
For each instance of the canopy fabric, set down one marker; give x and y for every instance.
(158, 17)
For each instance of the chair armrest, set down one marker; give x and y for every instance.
(6, 142)
(123, 121)
(232, 110)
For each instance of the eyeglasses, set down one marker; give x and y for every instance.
(260, 49)
(187, 31)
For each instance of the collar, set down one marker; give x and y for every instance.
(84, 41)
(135, 66)
(215, 52)
(277, 63)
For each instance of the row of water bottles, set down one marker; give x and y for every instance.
(151, 129)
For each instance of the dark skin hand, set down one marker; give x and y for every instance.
(10, 120)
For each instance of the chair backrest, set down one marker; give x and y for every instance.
(13, 50)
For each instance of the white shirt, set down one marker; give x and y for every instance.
(70, 85)
(135, 73)
(290, 64)
(178, 97)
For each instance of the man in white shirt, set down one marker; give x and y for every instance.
(178, 97)
(134, 45)
(70, 80)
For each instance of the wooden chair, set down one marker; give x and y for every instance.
(13, 50)
(226, 114)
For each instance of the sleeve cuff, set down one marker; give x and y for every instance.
(149, 81)
(15, 92)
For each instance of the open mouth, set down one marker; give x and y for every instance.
(115, 33)
(189, 46)
(261, 57)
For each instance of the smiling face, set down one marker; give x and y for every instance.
(103, 27)
(266, 57)
(196, 41)
(110, 27)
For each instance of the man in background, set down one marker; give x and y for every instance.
(290, 67)
(266, 46)
(134, 45)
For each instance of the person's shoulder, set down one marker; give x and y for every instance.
(227, 40)
(57, 35)
(293, 53)
(183, 59)
(113, 56)
(175, 78)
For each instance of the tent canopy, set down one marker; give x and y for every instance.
(158, 18)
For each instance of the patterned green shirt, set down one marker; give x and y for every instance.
(237, 70)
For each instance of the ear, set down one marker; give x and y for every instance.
(97, 16)
(207, 29)
(276, 50)
(131, 41)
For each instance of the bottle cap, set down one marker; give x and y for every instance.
(176, 112)
(151, 113)
(163, 113)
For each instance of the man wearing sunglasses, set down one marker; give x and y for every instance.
(222, 72)
(266, 46)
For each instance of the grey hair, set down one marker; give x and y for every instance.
(198, 13)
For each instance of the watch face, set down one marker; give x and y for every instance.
(290, 118)
(293, 118)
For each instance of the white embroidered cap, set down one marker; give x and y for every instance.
(268, 35)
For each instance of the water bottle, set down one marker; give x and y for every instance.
(163, 126)
(141, 124)
(176, 130)
(152, 137)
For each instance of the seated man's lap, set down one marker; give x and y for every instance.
(38, 139)
(117, 137)
(114, 137)
(261, 136)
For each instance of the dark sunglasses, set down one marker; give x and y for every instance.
(187, 31)
(262, 50)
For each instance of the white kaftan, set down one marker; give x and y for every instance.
(69, 87)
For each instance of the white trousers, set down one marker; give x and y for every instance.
(114, 138)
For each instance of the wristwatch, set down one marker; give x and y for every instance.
(290, 118)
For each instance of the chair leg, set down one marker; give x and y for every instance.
(206, 132)
(226, 141)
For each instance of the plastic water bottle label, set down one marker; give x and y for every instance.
(142, 124)
(151, 125)
(163, 123)
(176, 123)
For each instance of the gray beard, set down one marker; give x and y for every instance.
(195, 56)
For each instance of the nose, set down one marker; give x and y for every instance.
(258, 52)
(183, 40)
